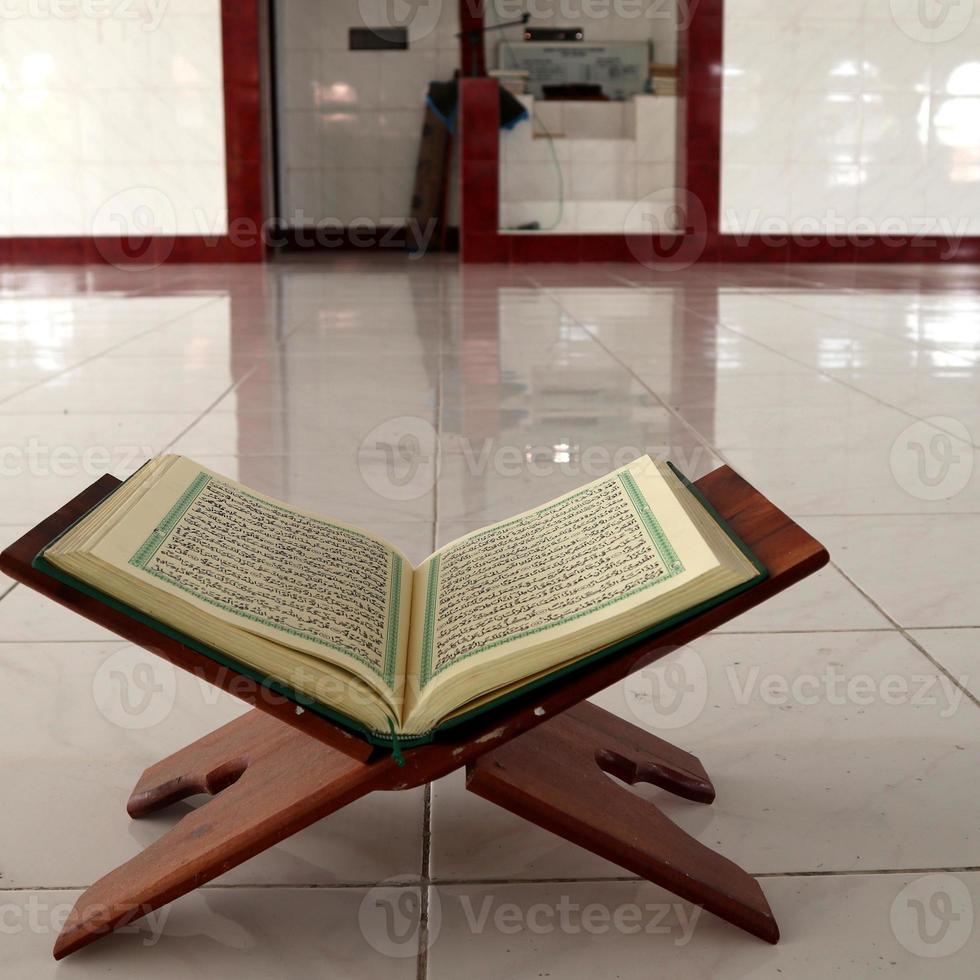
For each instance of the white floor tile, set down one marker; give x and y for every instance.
(831, 926)
(244, 932)
(825, 601)
(956, 651)
(924, 570)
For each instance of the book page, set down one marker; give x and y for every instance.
(529, 574)
(565, 568)
(315, 585)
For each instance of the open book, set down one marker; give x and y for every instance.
(340, 619)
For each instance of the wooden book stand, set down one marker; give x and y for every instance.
(544, 756)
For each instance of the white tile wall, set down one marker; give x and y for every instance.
(112, 122)
(350, 121)
(838, 114)
(608, 168)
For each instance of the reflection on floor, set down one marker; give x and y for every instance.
(421, 401)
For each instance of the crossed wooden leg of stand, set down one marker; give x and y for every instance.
(269, 781)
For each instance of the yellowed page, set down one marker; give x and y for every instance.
(321, 587)
(537, 590)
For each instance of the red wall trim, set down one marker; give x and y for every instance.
(479, 169)
(699, 135)
(472, 51)
(243, 123)
(701, 61)
(243, 152)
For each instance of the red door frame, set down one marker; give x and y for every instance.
(243, 168)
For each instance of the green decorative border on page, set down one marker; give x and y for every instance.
(163, 530)
(429, 623)
(652, 525)
(672, 566)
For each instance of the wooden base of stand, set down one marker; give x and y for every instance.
(269, 781)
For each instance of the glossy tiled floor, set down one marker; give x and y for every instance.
(840, 722)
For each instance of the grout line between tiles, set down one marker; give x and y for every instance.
(102, 353)
(439, 882)
(831, 377)
(422, 963)
(231, 388)
(911, 639)
(200, 418)
(913, 345)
